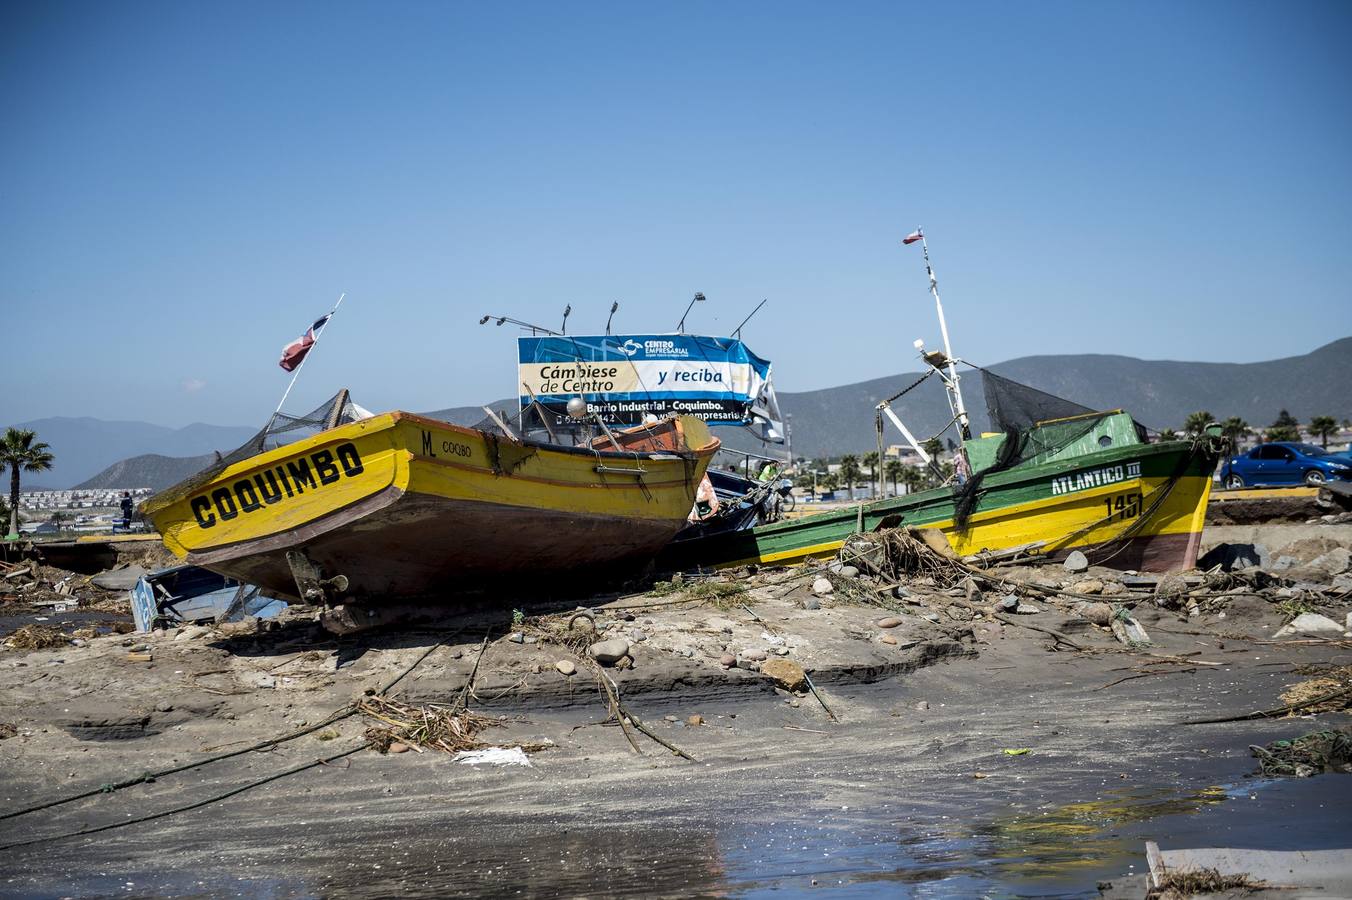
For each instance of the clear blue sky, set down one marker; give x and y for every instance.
(184, 186)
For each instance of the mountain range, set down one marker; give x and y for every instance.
(826, 422)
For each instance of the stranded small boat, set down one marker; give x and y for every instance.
(1088, 482)
(399, 506)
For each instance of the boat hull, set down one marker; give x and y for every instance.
(1136, 507)
(415, 508)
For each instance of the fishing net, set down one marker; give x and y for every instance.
(283, 428)
(1036, 426)
(1310, 754)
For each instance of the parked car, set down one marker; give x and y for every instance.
(1283, 463)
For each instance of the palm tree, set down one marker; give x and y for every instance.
(1168, 434)
(870, 461)
(1324, 427)
(892, 470)
(1285, 428)
(849, 472)
(912, 478)
(1235, 429)
(19, 452)
(1197, 422)
(934, 447)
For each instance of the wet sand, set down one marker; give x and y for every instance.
(884, 801)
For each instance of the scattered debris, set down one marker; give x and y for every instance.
(36, 637)
(1310, 754)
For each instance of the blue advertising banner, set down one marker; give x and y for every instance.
(625, 377)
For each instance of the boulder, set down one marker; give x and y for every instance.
(566, 667)
(1088, 586)
(822, 586)
(1310, 623)
(786, 673)
(1335, 562)
(1098, 613)
(609, 652)
(1076, 562)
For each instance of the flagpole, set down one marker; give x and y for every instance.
(296, 374)
(954, 391)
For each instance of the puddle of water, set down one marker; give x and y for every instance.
(1060, 852)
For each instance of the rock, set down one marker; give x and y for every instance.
(889, 622)
(727, 660)
(164, 706)
(923, 704)
(265, 681)
(749, 664)
(812, 603)
(1098, 613)
(756, 655)
(517, 637)
(930, 616)
(1335, 562)
(672, 719)
(397, 747)
(786, 673)
(1008, 603)
(1088, 586)
(835, 567)
(1027, 609)
(971, 591)
(849, 572)
(781, 651)
(1342, 582)
(887, 639)
(695, 720)
(1310, 623)
(609, 652)
(1113, 588)
(1076, 562)
(566, 667)
(822, 586)
(900, 592)
(1282, 563)
(638, 636)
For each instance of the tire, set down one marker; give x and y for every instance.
(789, 503)
(1233, 482)
(1314, 478)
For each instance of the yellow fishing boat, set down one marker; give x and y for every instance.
(399, 506)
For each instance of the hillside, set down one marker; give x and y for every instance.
(827, 422)
(1159, 393)
(84, 447)
(148, 470)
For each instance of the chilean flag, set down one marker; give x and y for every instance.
(293, 354)
(913, 237)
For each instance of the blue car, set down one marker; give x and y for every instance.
(1282, 463)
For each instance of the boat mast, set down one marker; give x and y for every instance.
(951, 378)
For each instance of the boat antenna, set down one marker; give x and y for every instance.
(698, 298)
(737, 332)
(318, 334)
(614, 306)
(567, 311)
(534, 329)
(946, 359)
